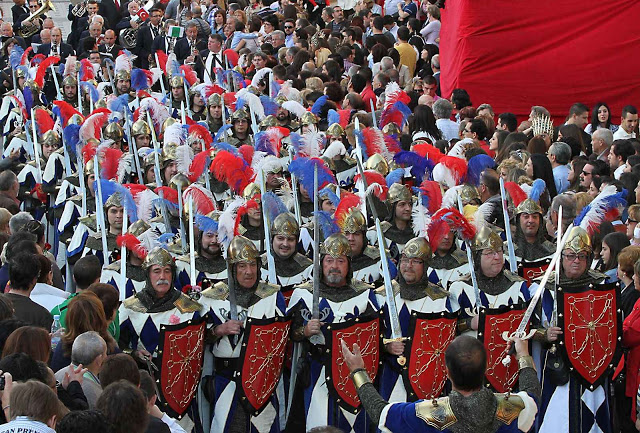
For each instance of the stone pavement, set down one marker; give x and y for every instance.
(59, 15)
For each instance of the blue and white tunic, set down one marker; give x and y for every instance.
(212, 270)
(136, 278)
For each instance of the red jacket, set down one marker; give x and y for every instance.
(631, 340)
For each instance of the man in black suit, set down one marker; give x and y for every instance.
(162, 42)
(7, 32)
(187, 48)
(209, 59)
(109, 48)
(56, 47)
(95, 33)
(19, 8)
(146, 35)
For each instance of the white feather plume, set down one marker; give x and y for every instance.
(336, 148)
(459, 148)
(149, 239)
(259, 76)
(174, 134)
(450, 198)
(291, 93)
(391, 93)
(263, 162)
(481, 216)
(123, 62)
(124, 166)
(294, 107)
(184, 158)
(71, 66)
(420, 220)
(252, 102)
(312, 144)
(144, 202)
(227, 223)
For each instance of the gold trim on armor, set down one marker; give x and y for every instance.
(436, 413)
(509, 408)
(360, 378)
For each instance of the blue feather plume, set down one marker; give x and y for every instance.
(28, 98)
(420, 167)
(333, 117)
(71, 137)
(275, 88)
(332, 196)
(241, 103)
(360, 139)
(404, 109)
(395, 176)
(220, 76)
(270, 105)
(15, 56)
(61, 68)
(273, 205)
(139, 80)
(109, 188)
(476, 166)
(93, 91)
(326, 224)
(120, 103)
(317, 106)
(223, 145)
(537, 189)
(303, 169)
(221, 132)
(296, 141)
(206, 224)
(239, 79)
(165, 238)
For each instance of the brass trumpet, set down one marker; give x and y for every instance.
(34, 21)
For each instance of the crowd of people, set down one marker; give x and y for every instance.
(267, 217)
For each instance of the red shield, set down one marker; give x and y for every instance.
(492, 324)
(532, 270)
(180, 356)
(425, 372)
(263, 351)
(591, 323)
(365, 333)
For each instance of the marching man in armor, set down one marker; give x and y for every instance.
(529, 241)
(114, 211)
(241, 134)
(231, 307)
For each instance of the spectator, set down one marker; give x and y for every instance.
(86, 271)
(620, 151)
(84, 421)
(125, 407)
(9, 188)
(442, 110)
(32, 340)
(612, 244)
(431, 32)
(119, 367)
(31, 406)
(628, 124)
(559, 156)
(44, 293)
(23, 274)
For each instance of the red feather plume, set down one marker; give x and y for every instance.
(42, 70)
(247, 153)
(162, 60)
(110, 158)
(449, 219)
(372, 176)
(66, 111)
(201, 133)
(37, 59)
(133, 244)
(202, 199)
(516, 193)
(24, 60)
(135, 188)
(197, 166)
(189, 74)
(43, 120)
(233, 170)
(426, 150)
(100, 111)
(242, 211)
(168, 193)
(230, 100)
(89, 151)
(457, 166)
(347, 202)
(86, 68)
(433, 191)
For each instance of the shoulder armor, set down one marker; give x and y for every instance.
(360, 286)
(371, 252)
(241, 229)
(596, 275)
(385, 225)
(396, 289)
(307, 285)
(115, 266)
(459, 256)
(187, 305)
(134, 304)
(436, 292)
(303, 261)
(436, 413)
(264, 290)
(219, 291)
(263, 260)
(509, 408)
(514, 278)
(184, 258)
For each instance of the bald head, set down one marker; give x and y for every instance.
(466, 362)
(45, 36)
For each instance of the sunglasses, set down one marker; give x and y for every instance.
(288, 27)
(585, 173)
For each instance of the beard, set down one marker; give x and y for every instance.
(334, 278)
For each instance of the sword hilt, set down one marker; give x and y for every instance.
(402, 360)
(512, 350)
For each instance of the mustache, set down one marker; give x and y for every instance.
(163, 282)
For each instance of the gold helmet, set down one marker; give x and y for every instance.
(378, 163)
(528, 206)
(239, 115)
(285, 224)
(251, 190)
(101, 103)
(280, 99)
(399, 192)
(241, 250)
(157, 256)
(308, 118)
(417, 248)
(114, 200)
(168, 122)
(138, 227)
(268, 122)
(336, 246)
(335, 130)
(579, 241)
(113, 131)
(168, 154)
(391, 129)
(33, 86)
(123, 74)
(329, 163)
(88, 168)
(468, 193)
(215, 99)
(75, 119)
(70, 80)
(51, 138)
(176, 81)
(140, 127)
(179, 182)
(486, 239)
(21, 72)
(354, 221)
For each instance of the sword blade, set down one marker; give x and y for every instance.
(513, 266)
(396, 330)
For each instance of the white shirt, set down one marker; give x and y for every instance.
(621, 134)
(48, 296)
(619, 170)
(209, 64)
(449, 128)
(391, 7)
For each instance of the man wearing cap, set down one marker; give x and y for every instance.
(255, 299)
(214, 112)
(240, 133)
(178, 101)
(292, 268)
(113, 211)
(413, 293)
(398, 229)
(529, 241)
(342, 299)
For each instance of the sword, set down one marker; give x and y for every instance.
(183, 115)
(36, 147)
(123, 256)
(186, 100)
(513, 266)
(316, 338)
(183, 240)
(474, 281)
(396, 330)
(192, 245)
(360, 169)
(233, 304)
(55, 82)
(554, 315)
(521, 331)
(79, 93)
(296, 203)
(100, 211)
(82, 183)
(271, 264)
(134, 149)
(156, 168)
(373, 113)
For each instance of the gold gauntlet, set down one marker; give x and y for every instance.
(525, 361)
(360, 377)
